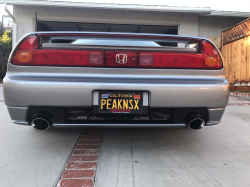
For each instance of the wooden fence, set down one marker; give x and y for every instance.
(217, 41)
(236, 54)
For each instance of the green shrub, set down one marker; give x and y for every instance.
(5, 49)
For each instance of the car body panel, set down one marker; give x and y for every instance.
(60, 86)
(55, 86)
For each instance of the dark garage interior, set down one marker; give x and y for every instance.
(105, 27)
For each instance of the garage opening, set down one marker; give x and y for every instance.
(105, 27)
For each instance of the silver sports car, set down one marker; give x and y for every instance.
(78, 79)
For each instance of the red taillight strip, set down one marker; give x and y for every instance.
(208, 58)
(176, 60)
(55, 57)
(63, 57)
(28, 53)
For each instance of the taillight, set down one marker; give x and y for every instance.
(23, 53)
(212, 57)
(208, 59)
(28, 53)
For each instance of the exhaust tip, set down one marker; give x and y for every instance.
(196, 124)
(195, 121)
(41, 121)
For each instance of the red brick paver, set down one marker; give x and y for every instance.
(83, 158)
(88, 136)
(81, 168)
(81, 165)
(72, 174)
(88, 147)
(75, 183)
(87, 142)
(85, 152)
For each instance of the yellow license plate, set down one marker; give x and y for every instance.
(120, 102)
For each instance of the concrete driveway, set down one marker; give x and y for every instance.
(31, 158)
(213, 156)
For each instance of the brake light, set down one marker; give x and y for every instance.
(24, 52)
(212, 57)
(208, 59)
(28, 53)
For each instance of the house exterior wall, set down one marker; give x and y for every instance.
(188, 24)
(210, 26)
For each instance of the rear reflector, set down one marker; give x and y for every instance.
(96, 58)
(29, 53)
(146, 59)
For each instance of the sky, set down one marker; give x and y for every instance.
(225, 5)
(2, 11)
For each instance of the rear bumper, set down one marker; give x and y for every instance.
(19, 116)
(25, 87)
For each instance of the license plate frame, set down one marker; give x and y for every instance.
(139, 100)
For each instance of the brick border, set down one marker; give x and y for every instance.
(239, 99)
(245, 103)
(81, 168)
(238, 104)
(240, 96)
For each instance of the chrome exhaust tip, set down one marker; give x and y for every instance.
(195, 121)
(41, 121)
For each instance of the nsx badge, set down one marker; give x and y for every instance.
(121, 58)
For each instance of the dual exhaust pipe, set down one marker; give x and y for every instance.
(195, 121)
(42, 121)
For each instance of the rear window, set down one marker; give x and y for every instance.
(114, 42)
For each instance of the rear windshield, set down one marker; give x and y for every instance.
(114, 42)
(75, 41)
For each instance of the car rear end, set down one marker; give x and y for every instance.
(77, 79)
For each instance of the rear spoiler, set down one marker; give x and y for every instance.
(119, 35)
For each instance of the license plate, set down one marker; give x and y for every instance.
(122, 102)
